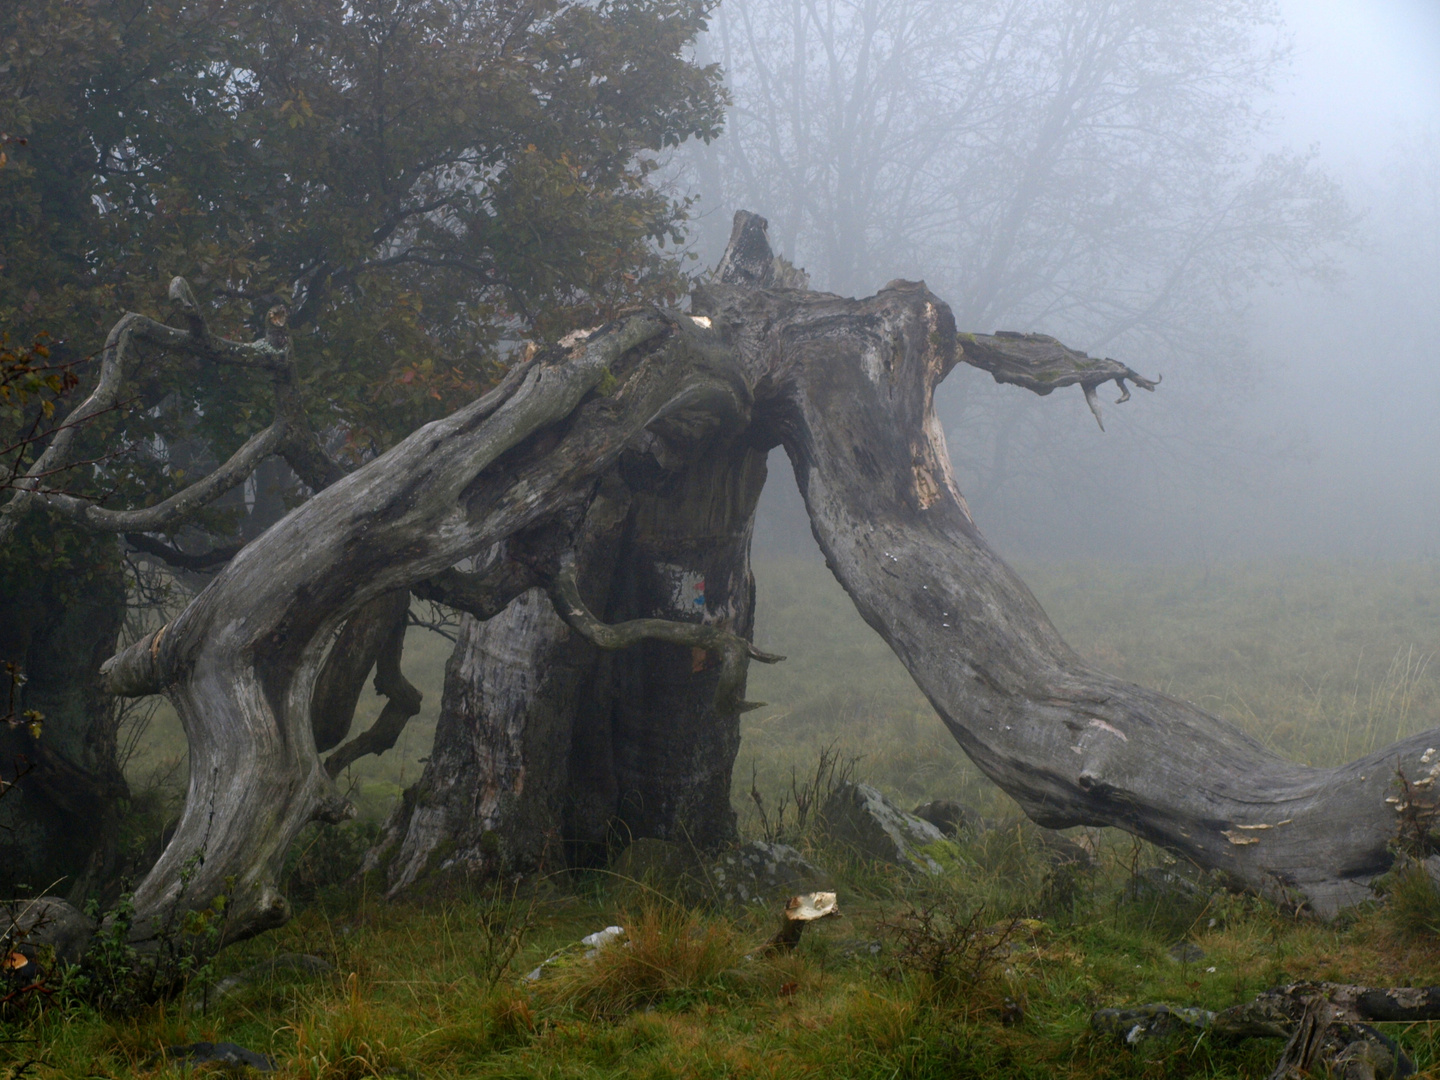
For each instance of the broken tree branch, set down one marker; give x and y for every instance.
(402, 699)
(735, 652)
(181, 560)
(1041, 364)
(367, 633)
(289, 434)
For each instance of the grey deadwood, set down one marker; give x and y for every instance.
(522, 482)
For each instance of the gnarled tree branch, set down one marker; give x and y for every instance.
(403, 699)
(1042, 364)
(290, 434)
(181, 560)
(735, 652)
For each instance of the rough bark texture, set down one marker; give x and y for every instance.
(853, 407)
(528, 476)
(550, 750)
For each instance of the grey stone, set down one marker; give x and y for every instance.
(1185, 952)
(233, 984)
(763, 873)
(950, 817)
(221, 1053)
(53, 921)
(1063, 851)
(861, 818)
(1155, 883)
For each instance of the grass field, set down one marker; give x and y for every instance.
(1323, 662)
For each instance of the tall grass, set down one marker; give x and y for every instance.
(1323, 663)
(1320, 662)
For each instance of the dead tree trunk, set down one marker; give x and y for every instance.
(548, 749)
(515, 480)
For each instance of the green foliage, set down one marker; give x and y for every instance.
(684, 1000)
(127, 968)
(30, 387)
(425, 176)
(1413, 900)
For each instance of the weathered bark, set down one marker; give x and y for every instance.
(1071, 744)
(549, 750)
(674, 724)
(846, 386)
(62, 822)
(240, 662)
(1326, 1026)
(373, 637)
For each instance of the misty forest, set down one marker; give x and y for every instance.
(511, 510)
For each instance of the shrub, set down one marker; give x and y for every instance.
(119, 979)
(950, 947)
(1412, 899)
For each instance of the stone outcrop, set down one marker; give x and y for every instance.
(763, 873)
(862, 819)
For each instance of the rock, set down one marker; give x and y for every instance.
(587, 948)
(763, 873)
(861, 818)
(861, 947)
(1149, 1021)
(1185, 952)
(51, 921)
(655, 861)
(595, 942)
(1063, 851)
(947, 815)
(222, 1053)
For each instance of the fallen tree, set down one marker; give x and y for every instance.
(529, 486)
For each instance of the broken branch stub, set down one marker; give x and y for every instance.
(1041, 364)
(799, 912)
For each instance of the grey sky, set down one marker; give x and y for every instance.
(1363, 68)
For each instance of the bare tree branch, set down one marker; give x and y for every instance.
(735, 652)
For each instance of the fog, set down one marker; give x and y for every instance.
(1257, 220)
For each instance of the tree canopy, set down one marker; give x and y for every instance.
(416, 184)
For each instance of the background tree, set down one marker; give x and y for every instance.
(1101, 170)
(411, 185)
